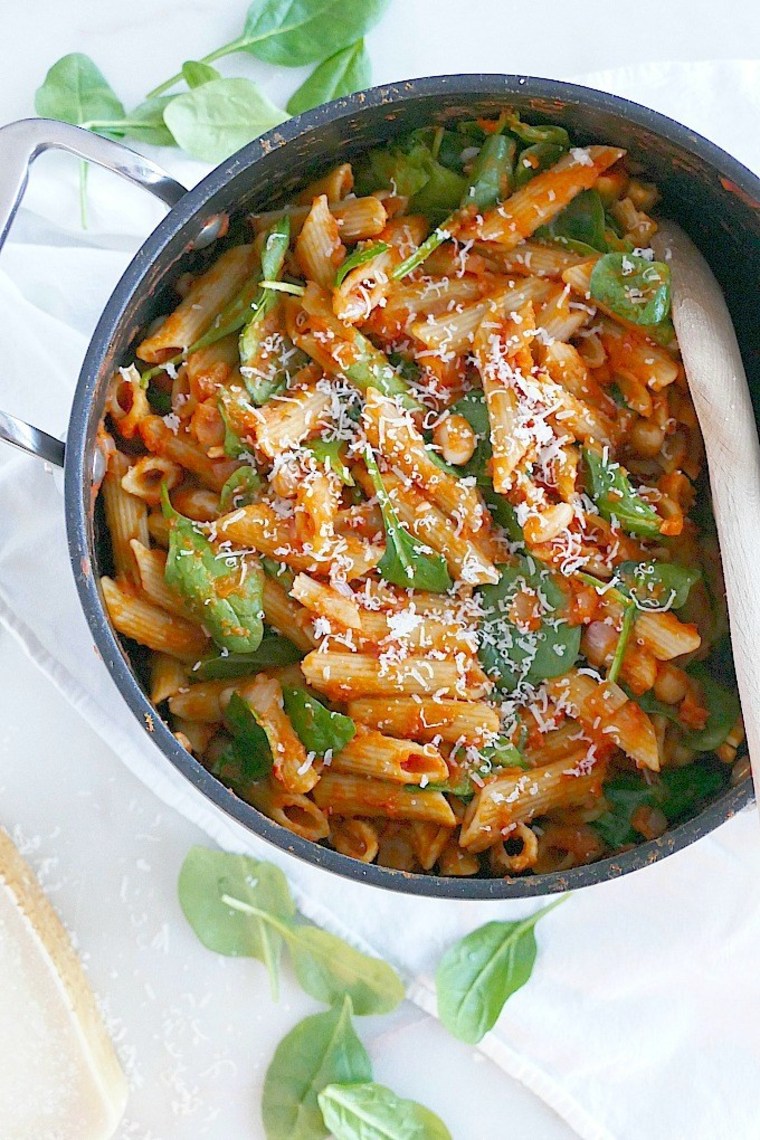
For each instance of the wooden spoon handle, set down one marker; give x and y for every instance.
(718, 385)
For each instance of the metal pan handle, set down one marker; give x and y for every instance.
(20, 144)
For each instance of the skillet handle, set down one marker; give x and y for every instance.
(20, 144)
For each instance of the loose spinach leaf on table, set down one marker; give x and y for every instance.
(632, 287)
(76, 91)
(346, 71)
(206, 876)
(477, 975)
(195, 73)
(318, 728)
(372, 1112)
(615, 497)
(214, 120)
(406, 562)
(226, 602)
(510, 654)
(292, 33)
(321, 1050)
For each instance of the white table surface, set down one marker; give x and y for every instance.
(194, 1030)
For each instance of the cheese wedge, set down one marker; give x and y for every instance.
(59, 1075)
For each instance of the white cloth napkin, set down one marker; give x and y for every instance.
(641, 1017)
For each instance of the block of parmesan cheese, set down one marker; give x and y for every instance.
(60, 1078)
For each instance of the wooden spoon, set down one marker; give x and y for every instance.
(718, 385)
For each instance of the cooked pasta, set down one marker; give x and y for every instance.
(402, 503)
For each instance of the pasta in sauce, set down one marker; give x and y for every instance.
(402, 498)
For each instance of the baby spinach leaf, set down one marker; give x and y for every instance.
(250, 750)
(534, 159)
(274, 651)
(623, 795)
(510, 654)
(613, 493)
(330, 969)
(684, 790)
(234, 447)
(407, 562)
(624, 636)
(431, 242)
(582, 221)
(280, 571)
(321, 1050)
(544, 133)
(195, 73)
(477, 975)
(76, 91)
(359, 257)
(318, 728)
(240, 489)
(346, 71)
(146, 122)
(274, 249)
(211, 122)
(723, 712)
(503, 513)
(656, 585)
(292, 33)
(491, 173)
(633, 287)
(206, 876)
(409, 168)
(373, 1112)
(226, 599)
(329, 452)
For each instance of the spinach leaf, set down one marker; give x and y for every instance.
(240, 489)
(211, 122)
(373, 1112)
(431, 242)
(684, 790)
(409, 168)
(321, 1050)
(656, 585)
(633, 287)
(503, 513)
(330, 969)
(477, 975)
(359, 257)
(346, 71)
(318, 728)
(292, 33)
(623, 795)
(228, 604)
(491, 174)
(407, 562)
(195, 74)
(534, 159)
(206, 876)
(250, 753)
(510, 654)
(613, 493)
(146, 123)
(274, 651)
(76, 91)
(582, 221)
(329, 452)
(626, 629)
(547, 133)
(723, 711)
(234, 447)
